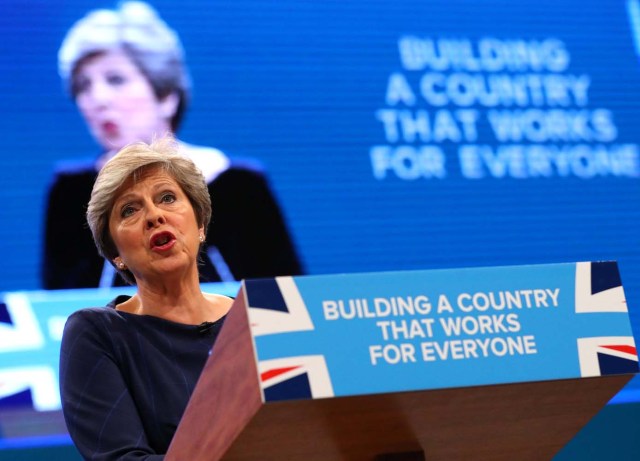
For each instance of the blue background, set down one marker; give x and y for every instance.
(296, 84)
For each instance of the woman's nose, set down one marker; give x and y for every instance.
(100, 93)
(154, 217)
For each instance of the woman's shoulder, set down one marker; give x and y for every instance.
(73, 180)
(211, 161)
(220, 303)
(243, 175)
(215, 163)
(91, 329)
(97, 315)
(219, 299)
(90, 316)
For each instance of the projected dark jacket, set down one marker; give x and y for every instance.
(247, 236)
(126, 379)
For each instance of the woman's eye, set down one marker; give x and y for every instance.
(168, 198)
(115, 79)
(127, 211)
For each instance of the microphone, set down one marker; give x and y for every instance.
(204, 327)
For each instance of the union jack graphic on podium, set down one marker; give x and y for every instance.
(297, 377)
(275, 307)
(607, 355)
(599, 290)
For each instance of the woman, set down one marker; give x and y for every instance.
(125, 70)
(127, 371)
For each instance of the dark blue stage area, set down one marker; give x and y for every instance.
(398, 135)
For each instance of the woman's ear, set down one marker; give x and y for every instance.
(169, 105)
(119, 263)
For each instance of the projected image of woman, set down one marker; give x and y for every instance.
(125, 70)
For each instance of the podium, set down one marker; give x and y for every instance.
(497, 363)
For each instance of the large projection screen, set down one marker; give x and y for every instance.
(395, 135)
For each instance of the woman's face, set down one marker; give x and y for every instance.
(154, 227)
(118, 102)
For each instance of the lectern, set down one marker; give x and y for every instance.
(497, 363)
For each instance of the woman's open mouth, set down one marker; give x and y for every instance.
(110, 128)
(162, 241)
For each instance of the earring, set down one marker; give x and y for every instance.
(121, 265)
(201, 238)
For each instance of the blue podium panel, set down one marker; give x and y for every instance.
(402, 331)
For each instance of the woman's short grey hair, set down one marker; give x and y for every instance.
(135, 28)
(130, 162)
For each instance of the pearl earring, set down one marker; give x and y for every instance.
(201, 238)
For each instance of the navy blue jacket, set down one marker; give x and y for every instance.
(125, 380)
